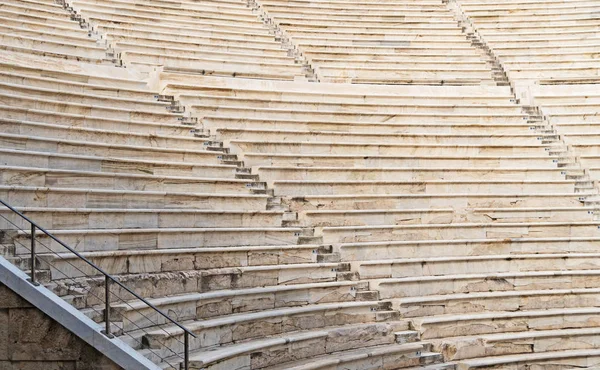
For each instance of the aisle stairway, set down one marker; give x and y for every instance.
(294, 224)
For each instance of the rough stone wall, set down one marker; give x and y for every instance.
(31, 340)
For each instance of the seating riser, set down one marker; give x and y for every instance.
(204, 51)
(399, 218)
(96, 240)
(278, 325)
(515, 264)
(336, 340)
(38, 46)
(357, 234)
(507, 325)
(76, 198)
(167, 263)
(491, 284)
(7, 21)
(470, 349)
(265, 160)
(368, 252)
(166, 20)
(462, 201)
(236, 129)
(17, 14)
(332, 188)
(100, 123)
(342, 72)
(96, 101)
(40, 160)
(349, 174)
(88, 110)
(47, 138)
(358, 127)
(108, 181)
(465, 107)
(130, 27)
(217, 67)
(245, 113)
(408, 149)
(119, 219)
(159, 285)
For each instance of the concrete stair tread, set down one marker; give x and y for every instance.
(399, 145)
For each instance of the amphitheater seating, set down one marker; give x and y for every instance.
(547, 42)
(391, 42)
(304, 225)
(214, 38)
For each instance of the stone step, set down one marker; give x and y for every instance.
(488, 282)
(491, 322)
(85, 198)
(329, 340)
(576, 358)
(116, 165)
(100, 218)
(346, 234)
(301, 188)
(373, 161)
(91, 240)
(323, 173)
(356, 127)
(275, 350)
(31, 176)
(405, 105)
(372, 201)
(57, 118)
(367, 251)
(228, 302)
(534, 147)
(390, 356)
(531, 342)
(170, 260)
(364, 116)
(87, 109)
(47, 138)
(437, 266)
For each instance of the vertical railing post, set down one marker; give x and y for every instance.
(186, 350)
(32, 234)
(107, 307)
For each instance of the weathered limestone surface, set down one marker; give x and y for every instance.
(29, 339)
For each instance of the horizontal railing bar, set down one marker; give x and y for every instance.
(107, 275)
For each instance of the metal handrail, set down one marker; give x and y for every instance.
(107, 278)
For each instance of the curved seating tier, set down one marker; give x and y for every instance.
(412, 42)
(310, 225)
(546, 42)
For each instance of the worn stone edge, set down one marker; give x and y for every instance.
(73, 320)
